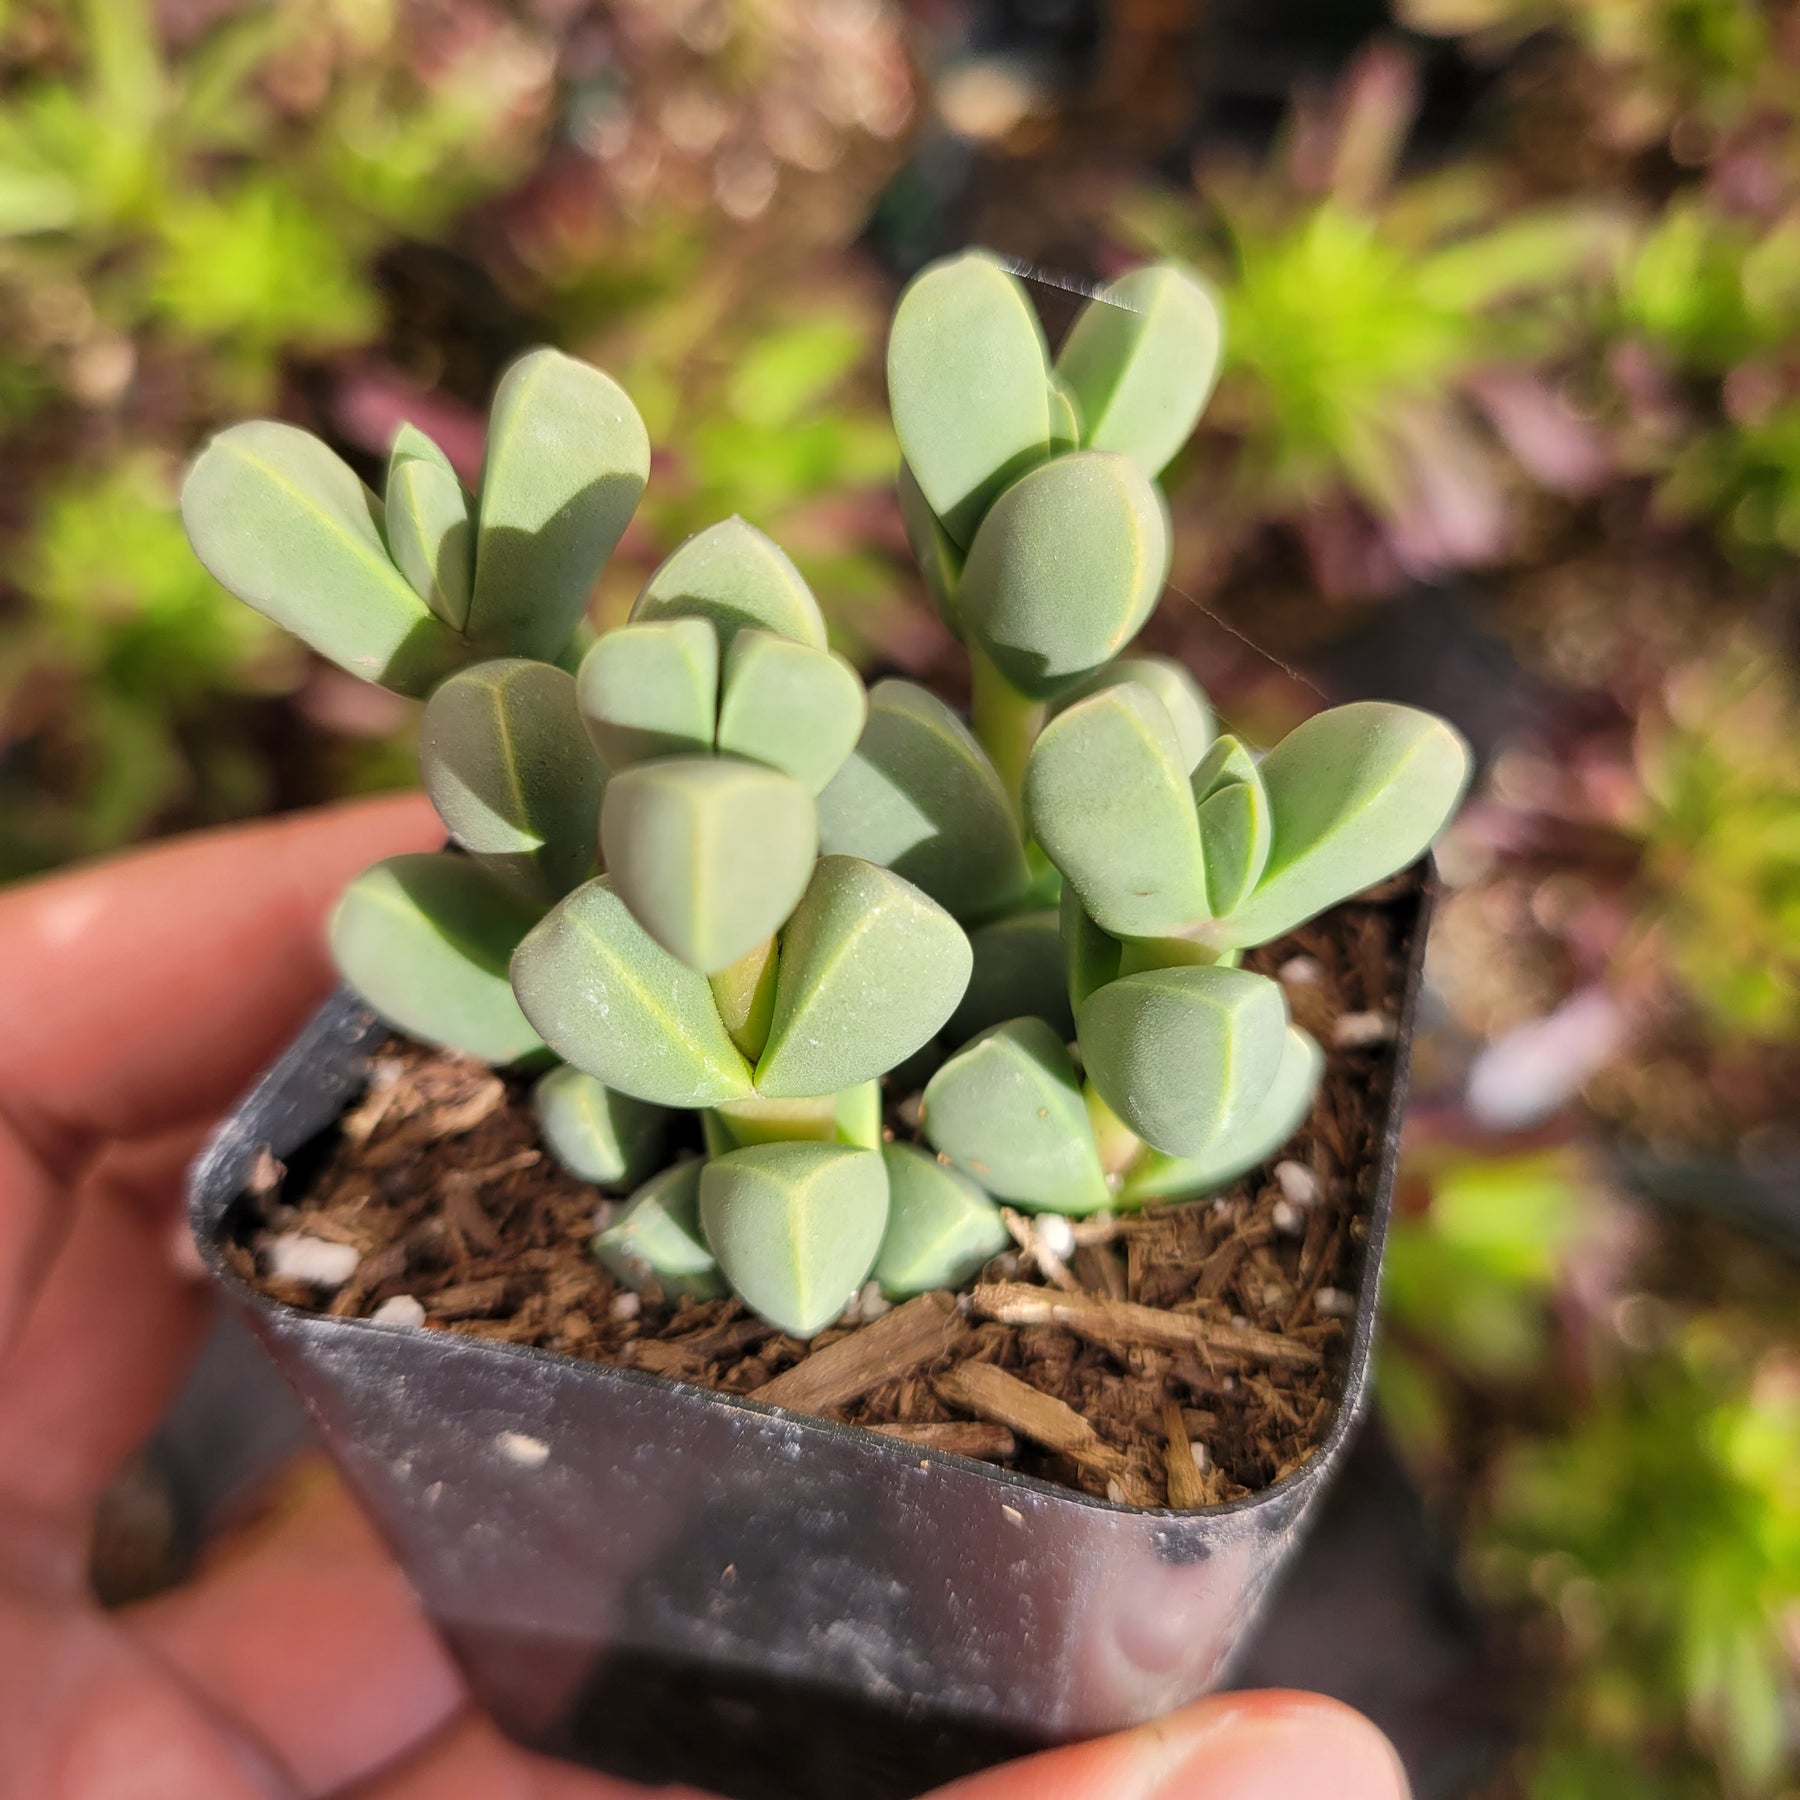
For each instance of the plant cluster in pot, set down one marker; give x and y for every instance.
(818, 1229)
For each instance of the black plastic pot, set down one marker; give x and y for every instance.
(678, 1585)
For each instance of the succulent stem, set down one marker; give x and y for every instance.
(1005, 721)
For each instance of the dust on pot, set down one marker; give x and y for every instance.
(1002, 1112)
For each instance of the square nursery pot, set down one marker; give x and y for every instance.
(678, 1585)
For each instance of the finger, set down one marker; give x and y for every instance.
(85, 1716)
(146, 991)
(100, 1346)
(304, 1632)
(1263, 1746)
(472, 1761)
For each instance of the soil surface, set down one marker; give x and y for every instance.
(1181, 1356)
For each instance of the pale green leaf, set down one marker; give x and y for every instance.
(795, 1227)
(609, 1139)
(969, 385)
(288, 527)
(425, 941)
(1234, 842)
(512, 774)
(711, 854)
(733, 575)
(1263, 1131)
(609, 999)
(1355, 794)
(786, 704)
(1226, 761)
(919, 796)
(430, 526)
(1190, 712)
(567, 458)
(651, 690)
(870, 970)
(656, 1244)
(1141, 359)
(1185, 1055)
(1107, 798)
(1007, 1111)
(941, 1227)
(1065, 569)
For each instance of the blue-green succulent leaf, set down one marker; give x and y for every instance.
(1007, 1110)
(425, 941)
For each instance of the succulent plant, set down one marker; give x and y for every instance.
(696, 868)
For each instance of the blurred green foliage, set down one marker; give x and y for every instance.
(1720, 767)
(1635, 1501)
(116, 676)
(1664, 1532)
(140, 187)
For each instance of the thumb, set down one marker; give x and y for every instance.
(1262, 1746)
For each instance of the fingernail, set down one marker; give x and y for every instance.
(1277, 1747)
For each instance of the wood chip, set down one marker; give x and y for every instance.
(959, 1437)
(470, 1300)
(1119, 1321)
(455, 1121)
(1004, 1399)
(904, 1339)
(1186, 1488)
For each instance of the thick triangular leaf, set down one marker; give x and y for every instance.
(1064, 570)
(1275, 1119)
(512, 774)
(969, 385)
(566, 460)
(611, 1000)
(656, 1245)
(919, 796)
(287, 526)
(1184, 1056)
(430, 526)
(711, 854)
(1107, 798)
(941, 1227)
(1007, 1110)
(795, 1227)
(1141, 359)
(786, 704)
(609, 1139)
(1018, 972)
(1355, 794)
(1234, 842)
(870, 970)
(1189, 710)
(1226, 761)
(734, 576)
(425, 941)
(651, 690)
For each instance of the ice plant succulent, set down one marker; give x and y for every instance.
(695, 869)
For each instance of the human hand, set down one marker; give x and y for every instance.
(139, 998)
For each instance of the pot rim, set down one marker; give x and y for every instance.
(343, 1012)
